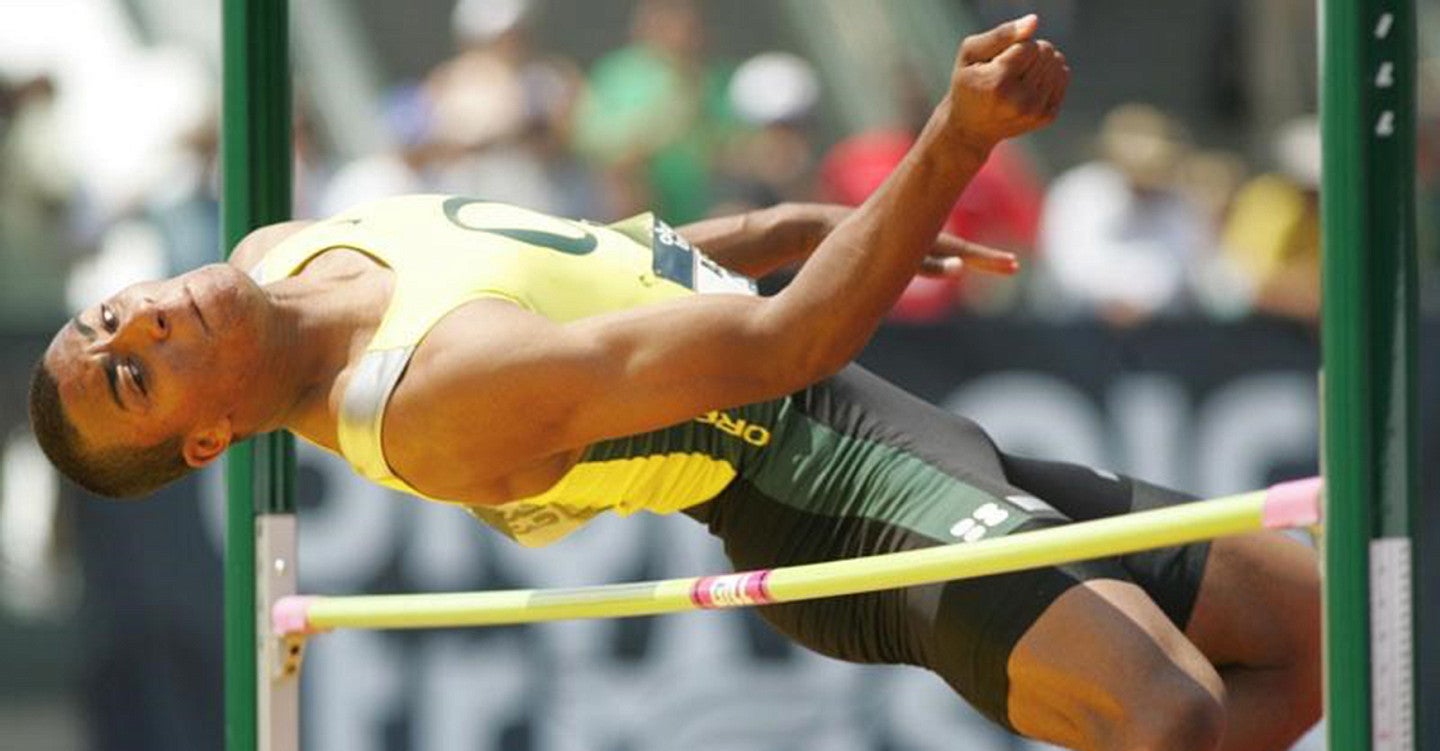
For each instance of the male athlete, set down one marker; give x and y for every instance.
(538, 371)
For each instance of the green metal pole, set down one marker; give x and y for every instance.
(257, 166)
(1369, 339)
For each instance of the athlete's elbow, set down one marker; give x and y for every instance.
(798, 358)
(815, 337)
(828, 361)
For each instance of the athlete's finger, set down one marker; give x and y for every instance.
(983, 47)
(1019, 59)
(1063, 88)
(976, 256)
(1034, 87)
(1056, 83)
(1045, 53)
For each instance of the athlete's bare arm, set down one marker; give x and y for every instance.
(498, 401)
(757, 243)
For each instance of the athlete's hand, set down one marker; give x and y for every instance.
(1006, 83)
(953, 255)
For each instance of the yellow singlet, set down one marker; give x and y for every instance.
(446, 251)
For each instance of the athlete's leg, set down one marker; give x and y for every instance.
(1075, 655)
(1251, 605)
(868, 469)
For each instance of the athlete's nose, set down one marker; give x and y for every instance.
(147, 320)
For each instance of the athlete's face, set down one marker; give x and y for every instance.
(161, 359)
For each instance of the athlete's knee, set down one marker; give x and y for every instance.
(1169, 700)
(1175, 712)
(1158, 706)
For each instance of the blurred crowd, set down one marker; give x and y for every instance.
(1152, 225)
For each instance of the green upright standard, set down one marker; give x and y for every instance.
(259, 472)
(1367, 107)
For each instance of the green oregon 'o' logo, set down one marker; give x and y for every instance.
(575, 246)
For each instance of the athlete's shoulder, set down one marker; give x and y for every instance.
(404, 210)
(252, 249)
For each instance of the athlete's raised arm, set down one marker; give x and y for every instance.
(1004, 84)
(759, 242)
(500, 389)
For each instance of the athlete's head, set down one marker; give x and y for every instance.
(138, 390)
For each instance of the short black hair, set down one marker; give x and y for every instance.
(117, 473)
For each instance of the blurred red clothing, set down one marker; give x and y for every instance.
(1001, 206)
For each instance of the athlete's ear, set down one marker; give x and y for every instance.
(205, 443)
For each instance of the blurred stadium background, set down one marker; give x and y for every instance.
(1165, 324)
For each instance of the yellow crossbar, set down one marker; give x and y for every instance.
(1291, 504)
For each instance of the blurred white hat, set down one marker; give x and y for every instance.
(24, 55)
(774, 87)
(1297, 150)
(1143, 142)
(484, 20)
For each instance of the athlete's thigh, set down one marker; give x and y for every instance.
(1103, 659)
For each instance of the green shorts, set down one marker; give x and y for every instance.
(859, 467)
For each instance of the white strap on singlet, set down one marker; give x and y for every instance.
(362, 411)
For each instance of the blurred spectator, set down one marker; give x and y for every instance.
(656, 115)
(492, 121)
(479, 95)
(1000, 207)
(774, 94)
(1211, 180)
(37, 190)
(1273, 233)
(1118, 239)
(399, 170)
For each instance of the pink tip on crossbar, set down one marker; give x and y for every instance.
(1293, 504)
(291, 616)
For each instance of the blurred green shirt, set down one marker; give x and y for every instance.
(643, 108)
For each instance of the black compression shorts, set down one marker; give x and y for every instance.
(869, 469)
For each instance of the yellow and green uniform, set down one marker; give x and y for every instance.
(447, 251)
(850, 466)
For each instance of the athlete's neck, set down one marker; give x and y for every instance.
(321, 321)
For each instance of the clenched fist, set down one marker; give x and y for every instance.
(1006, 83)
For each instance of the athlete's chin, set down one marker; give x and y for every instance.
(224, 296)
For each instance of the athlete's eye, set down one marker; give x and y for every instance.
(108, 319)
(138, 375)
